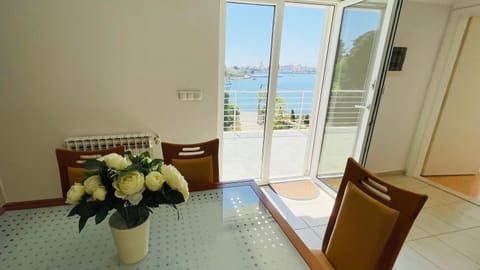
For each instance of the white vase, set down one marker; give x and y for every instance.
(132, 243)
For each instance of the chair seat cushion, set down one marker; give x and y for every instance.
(361, 231)
(197, 171)
(75, 175)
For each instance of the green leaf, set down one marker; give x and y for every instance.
(102, 213)
(144, 171)
(133, 167)
(109, 174)
(156, 162)
(130, 155)
(93, 164)
(74, 211)
(87, 209)
(174, 197)
(145, 154)
(178, 212)
(82, 222)
(90, 173)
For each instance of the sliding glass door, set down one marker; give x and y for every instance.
(272, 55)
(299, 82)
(303, 46)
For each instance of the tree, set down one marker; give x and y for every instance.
(231, 115)
(340, 57)
(352, 67)
(280, 119)
(292, 116)
(351, 73)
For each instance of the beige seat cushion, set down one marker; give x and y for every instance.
(197, 171)
(75, 175)
(361, 231)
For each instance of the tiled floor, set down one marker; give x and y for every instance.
(446, 234)
(242, 152)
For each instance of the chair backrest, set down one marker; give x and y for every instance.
(197, 162)
(71, 167)
(369, 222)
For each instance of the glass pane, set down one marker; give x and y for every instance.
(351, 81)
(247, 60)
(299, 55)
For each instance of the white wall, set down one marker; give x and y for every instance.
(87, 67)
(421, 29)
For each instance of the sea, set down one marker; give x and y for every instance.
(296, 90)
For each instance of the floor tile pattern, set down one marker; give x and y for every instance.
(445, 236)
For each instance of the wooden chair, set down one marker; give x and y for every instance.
(70, 164)
(197, 162)
(369, 222)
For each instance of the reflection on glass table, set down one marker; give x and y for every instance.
(225, 227)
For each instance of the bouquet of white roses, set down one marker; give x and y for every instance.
(131, 185)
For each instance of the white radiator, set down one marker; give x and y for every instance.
(136, 143)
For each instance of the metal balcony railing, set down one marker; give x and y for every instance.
(244, 110)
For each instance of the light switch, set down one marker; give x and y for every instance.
(190, 95)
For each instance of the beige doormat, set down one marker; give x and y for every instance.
(296, 190)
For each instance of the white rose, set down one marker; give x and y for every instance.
(130, 187)
(175, 180)
(116, 161)
(184, 190)
(154, 181)
(99, 193)
(173, 176)
(92, 183)
(75, 193)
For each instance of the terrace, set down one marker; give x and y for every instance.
(243, 136)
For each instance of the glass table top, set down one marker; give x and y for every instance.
(226, 228)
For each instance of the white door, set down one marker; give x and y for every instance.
(455, 146)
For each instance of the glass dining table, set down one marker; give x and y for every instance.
(221, 226)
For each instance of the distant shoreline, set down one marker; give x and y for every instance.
(254, 76)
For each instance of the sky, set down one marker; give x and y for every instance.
(249, 33)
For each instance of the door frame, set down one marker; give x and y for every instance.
(324, 77)
(273, 74)
(438, 86)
